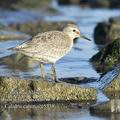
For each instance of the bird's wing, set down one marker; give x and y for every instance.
(44, 43)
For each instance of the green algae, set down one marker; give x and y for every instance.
(107, 57)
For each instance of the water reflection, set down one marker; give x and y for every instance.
(52, 113)
(58, 112)
(75, 64)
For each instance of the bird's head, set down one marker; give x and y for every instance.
(74, 32)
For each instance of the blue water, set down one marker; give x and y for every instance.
(74, 64)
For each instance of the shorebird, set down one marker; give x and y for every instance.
(49, 47)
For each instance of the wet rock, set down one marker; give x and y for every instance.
(12, 35)
(112, 91)
(95, 3)
(106, 32)
(41, 26)
(107, 57)
(32, 4)
(78, 80)
(8, 3)
(17, 4)
(92, 3)
(66, 2)
(16, 90)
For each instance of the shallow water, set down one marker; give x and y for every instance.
(57, 112)
(75, 64)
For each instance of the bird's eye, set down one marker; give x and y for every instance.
(74, 30)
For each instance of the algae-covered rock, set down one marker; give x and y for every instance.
(107, 57)
(106, 32)
(17, 90)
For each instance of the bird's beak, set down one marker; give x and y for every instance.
(84, 37)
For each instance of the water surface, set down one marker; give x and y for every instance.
(74, 64)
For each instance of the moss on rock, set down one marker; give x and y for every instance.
(107, 57)
(16, 90)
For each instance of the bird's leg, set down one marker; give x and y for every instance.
(54, 72)
(43, 71)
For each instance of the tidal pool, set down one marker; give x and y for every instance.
(75, 64)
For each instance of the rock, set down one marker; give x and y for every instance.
(12, 4)
(41, 26)
(106, 32)
(113, 106)
(95, 3)
(112, 91)
(8, 3)
(92, 3)
(11, 35)
(66, 2)
(15, 90)
(107, 57)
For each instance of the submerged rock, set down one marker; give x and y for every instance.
(107, 57)
(106, 32)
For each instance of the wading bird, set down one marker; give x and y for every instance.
(49, 47)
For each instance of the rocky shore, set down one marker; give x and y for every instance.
(92, 3)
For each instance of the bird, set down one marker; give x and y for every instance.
(48, 47)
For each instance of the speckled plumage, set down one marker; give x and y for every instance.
(49, 47)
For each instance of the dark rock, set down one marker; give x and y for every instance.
(8, 3)
(96, 3)
(33, 28)
(63, 2)
(67, 2)
(92, 3)
(107, 57)
(106, 32)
